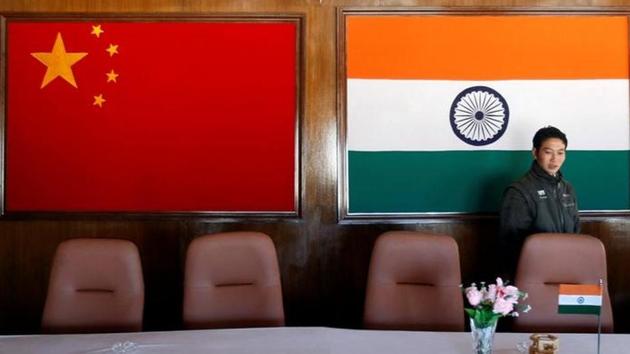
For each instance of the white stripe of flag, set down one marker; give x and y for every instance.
(413, 115)
(580, 300)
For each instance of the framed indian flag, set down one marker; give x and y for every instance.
(438, 108)
(141, 115)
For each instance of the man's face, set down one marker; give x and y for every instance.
(550, 156)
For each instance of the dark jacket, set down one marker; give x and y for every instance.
(538, 202)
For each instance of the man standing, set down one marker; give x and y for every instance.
(541, 201)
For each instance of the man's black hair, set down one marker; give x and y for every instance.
(546, 133)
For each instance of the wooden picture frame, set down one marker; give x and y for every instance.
(235, 154)
(392, 195)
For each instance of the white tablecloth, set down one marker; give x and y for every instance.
(302, 340)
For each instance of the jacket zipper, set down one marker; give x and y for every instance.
(558, 194)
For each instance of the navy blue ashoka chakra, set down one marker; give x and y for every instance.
(479, 115)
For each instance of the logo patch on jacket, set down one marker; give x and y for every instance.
(567, 201)
(542, 194)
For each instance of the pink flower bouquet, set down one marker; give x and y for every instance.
(489, 303)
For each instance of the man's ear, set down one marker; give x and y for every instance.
(534, 153)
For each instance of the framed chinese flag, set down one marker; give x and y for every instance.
(151, 115)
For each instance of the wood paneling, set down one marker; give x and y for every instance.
(323, 263)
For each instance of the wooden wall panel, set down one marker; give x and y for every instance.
(323, 263)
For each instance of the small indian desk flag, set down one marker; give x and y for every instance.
(580, 299)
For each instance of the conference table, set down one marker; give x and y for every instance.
(302, 340)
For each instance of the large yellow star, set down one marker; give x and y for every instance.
(59, 62)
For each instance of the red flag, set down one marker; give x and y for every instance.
(151, 116)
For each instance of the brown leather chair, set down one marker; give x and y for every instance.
(550, 259)
(95, 286)
(232, 280)
(414, 283)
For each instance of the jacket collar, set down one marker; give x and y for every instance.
(540, 173)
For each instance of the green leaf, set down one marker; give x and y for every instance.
(483, 317)
(470, 312)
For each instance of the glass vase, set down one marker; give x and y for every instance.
(482, 337)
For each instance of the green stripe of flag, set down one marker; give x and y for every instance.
(579, 309)
(473, 181)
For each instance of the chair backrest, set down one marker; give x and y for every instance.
(232, 280)
(414, 283)
(548, 260)
(95, 285)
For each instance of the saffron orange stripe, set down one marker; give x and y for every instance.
(579, 289)
(487, 47)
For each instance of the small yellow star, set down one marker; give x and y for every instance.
(99, 100)
(112, 49)
(58, 62)
(111, 76)
(96, 30)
